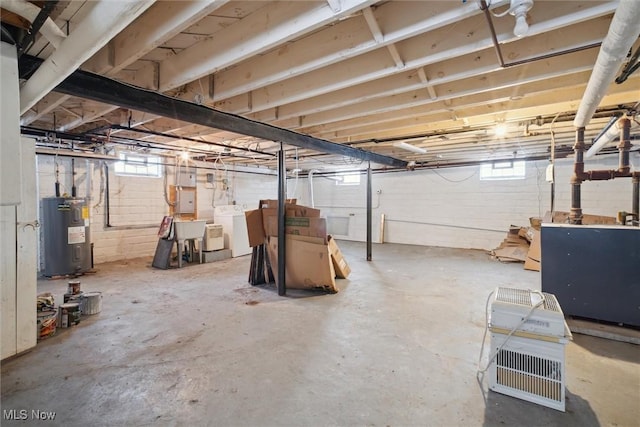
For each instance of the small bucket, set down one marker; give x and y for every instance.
(72, 297)
(69, 314)
(46, 323)
(91, 303)
(74, 287)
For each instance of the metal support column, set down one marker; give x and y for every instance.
(282, 195)
(369, 212)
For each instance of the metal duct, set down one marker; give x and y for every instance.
(623, 32)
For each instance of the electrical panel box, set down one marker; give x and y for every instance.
(186, 177)
(210, 181)
(186, 201)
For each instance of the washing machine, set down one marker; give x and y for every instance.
(234, 224)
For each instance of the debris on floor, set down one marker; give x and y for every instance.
(522, 244)
(76, 304)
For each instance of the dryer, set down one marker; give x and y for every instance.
(234, 224)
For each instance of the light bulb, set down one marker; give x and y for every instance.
(184, 155)
(521, 27)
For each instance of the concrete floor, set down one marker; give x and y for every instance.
(398, 345)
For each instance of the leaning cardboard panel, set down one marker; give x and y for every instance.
(254, 227)
(308, 265)
(339, 263)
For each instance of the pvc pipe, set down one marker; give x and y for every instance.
(623, 32)
(106, 20)
(310, 176)
(30, 11)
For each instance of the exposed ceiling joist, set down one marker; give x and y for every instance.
(102, 89)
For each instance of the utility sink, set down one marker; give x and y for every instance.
(189, 229)
(185, 230)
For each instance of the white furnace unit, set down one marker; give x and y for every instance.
(234, 224)
(213, 237)
(528, 339)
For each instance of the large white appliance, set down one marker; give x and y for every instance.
(528, 339)
(213, 237)
(234, 224)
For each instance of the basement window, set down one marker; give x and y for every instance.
(503, 170)
(348, 178)
(136, 164)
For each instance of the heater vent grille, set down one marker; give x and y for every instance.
(528, 369)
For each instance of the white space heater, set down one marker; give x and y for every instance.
(213, 237)
(528, 339)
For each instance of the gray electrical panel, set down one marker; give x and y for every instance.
(186, 177)
(65, 229)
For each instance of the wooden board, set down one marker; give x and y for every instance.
(611, 332)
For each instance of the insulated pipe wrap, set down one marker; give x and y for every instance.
(623, 32)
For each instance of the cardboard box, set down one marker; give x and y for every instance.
(254, 227)
(299, 226)
(273, 203)
(308, 264)
(339, 263)
(301, 220)
(563, 217)
(534, 256)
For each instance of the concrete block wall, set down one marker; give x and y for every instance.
(137, 204)
(454, 208)
(442, 207)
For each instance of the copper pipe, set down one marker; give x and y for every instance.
(494, 37)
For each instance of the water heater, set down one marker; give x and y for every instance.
(65, 233)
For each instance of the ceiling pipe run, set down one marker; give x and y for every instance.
(610, 132)
(623, 32)
(30, 12)
(105, 21)
(102, 89)
(496, 45)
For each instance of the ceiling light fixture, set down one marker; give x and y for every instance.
(500, 130)
(519, 9)
(410, 147)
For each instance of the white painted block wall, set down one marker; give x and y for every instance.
(443, 207)
(454, 208)
(137, 204)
